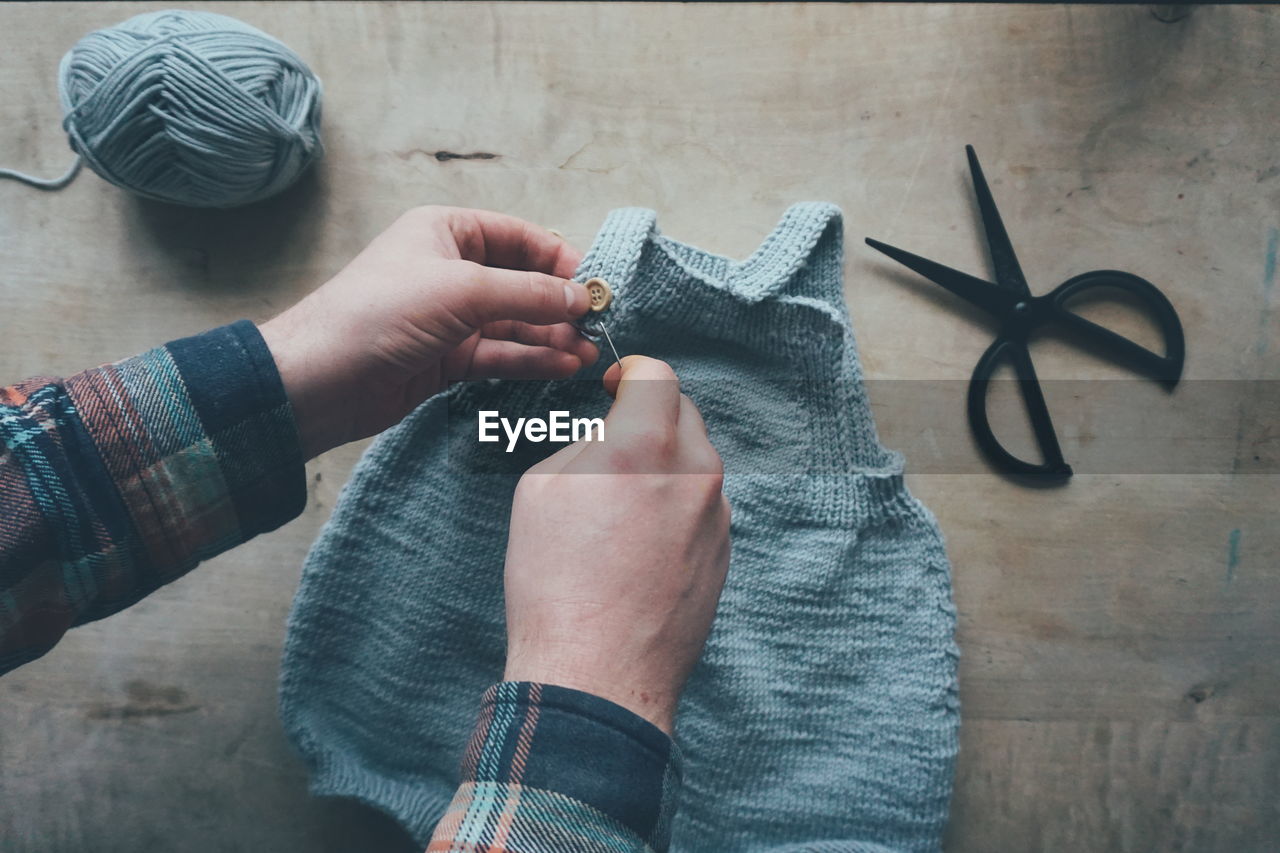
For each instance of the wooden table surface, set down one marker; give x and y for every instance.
(1121, 640)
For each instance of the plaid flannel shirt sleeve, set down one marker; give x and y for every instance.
(122, 478)
(553, 769)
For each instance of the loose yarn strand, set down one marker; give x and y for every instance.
(44, 183)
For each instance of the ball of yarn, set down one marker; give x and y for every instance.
(193, 108)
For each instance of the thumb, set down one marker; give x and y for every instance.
(646, 395)
(493, 294)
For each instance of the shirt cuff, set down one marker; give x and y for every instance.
(198, 440)
(549, 768)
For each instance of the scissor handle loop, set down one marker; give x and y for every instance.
(1166, 368)
(1054, 466)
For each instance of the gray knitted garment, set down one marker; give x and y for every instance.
(823, 715)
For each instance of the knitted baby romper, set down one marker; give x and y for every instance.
(823, 713)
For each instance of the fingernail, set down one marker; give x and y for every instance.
(570, 296)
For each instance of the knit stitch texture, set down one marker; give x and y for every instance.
(823, 714)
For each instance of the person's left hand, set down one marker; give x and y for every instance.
(443, 294)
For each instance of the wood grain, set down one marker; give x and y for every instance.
(1121, 669)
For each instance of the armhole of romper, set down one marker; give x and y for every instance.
(802, 256)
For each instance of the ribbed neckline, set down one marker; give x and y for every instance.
(618, 246)
(665, 289)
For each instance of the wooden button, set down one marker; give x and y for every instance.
(600, 292)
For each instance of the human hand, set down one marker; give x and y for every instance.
(443, 294)
(618, 551)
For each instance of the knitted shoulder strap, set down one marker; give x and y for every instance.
(615, 253)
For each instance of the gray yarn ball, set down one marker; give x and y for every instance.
(192, 108)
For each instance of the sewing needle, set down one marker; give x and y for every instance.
(617, 357)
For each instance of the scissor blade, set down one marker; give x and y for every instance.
(984, 294)
(1005, 262)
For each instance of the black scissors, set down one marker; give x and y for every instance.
(1020, 314)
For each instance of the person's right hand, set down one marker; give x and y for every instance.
(618, 551)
